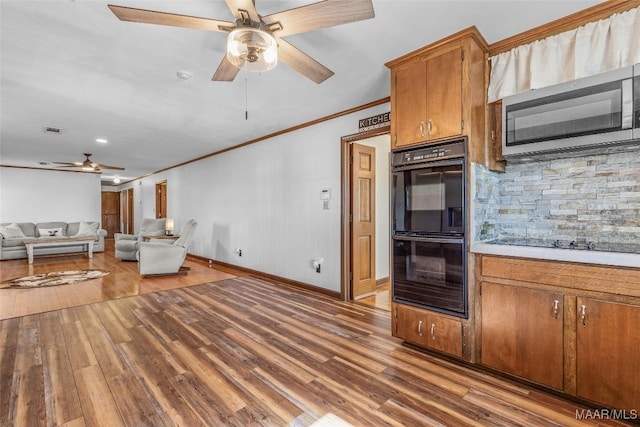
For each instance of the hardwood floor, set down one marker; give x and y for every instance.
(244, 351)
(382, 298)
(124, 281)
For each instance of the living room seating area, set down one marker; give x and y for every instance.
(13, 237)
(127, 245)
(159, 258)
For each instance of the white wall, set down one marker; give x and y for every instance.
(32, 195)
(382, 144)
(264, 199)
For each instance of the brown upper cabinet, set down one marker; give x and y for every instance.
(439, 91)
(427, 104)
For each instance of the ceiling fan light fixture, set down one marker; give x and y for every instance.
(252, 49)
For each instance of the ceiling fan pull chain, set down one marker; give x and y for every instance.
(246, 97)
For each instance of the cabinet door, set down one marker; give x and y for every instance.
(444, 95)
(412, 324)
(522, 333)
(410, 104)
(445, 335)
(608, 359)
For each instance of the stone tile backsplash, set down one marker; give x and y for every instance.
(591, 198)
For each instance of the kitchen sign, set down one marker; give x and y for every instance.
(374, 122)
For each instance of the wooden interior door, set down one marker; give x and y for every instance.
(110, 212)
(363, 226)
(608, 359)
(522, 333)
(161, 199)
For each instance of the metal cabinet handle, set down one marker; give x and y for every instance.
(433, 331)
(556, 305)
(583, 315)
(422, 128)
(429, 126)
(420, 328)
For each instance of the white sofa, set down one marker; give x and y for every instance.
(14, 248)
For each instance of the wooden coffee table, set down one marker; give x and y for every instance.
(58, 241)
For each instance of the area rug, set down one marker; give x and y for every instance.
(53, 279)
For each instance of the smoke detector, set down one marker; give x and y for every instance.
(184, 75)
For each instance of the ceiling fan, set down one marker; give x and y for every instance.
(255, 42)
(88, 165)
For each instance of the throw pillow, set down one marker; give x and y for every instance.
(50, 232)
(87, 229)
(11, 231)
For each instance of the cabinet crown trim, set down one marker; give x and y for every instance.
(464, 34)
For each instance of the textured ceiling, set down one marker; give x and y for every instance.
(73, 65)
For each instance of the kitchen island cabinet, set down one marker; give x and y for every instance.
(575, 324)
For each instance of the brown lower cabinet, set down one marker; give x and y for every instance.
(522, 333)
(607, 353)
(565, 326)
(572, 327)
(427, 329)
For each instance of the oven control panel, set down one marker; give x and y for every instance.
(429, 153)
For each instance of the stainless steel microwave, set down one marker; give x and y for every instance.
(583, 113)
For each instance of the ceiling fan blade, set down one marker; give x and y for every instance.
(69, 164)
(171, 19)
(301, 62)
(236, 5)
(315, 16)
(226, 71)
(99, 166)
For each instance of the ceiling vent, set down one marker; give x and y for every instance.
(52, 130)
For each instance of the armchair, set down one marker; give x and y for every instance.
(126, 245)
(162, 258)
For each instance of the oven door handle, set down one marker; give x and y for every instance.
(429, 239)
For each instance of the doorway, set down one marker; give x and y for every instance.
(161, 199)
(126, 208)
(365, 217)
(110, 207)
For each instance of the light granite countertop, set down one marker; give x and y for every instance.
(559, 254)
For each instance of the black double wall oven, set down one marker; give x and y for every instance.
(428, 227)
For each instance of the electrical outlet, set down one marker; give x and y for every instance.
(317, 264)
(239, 252)
(210, 263)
